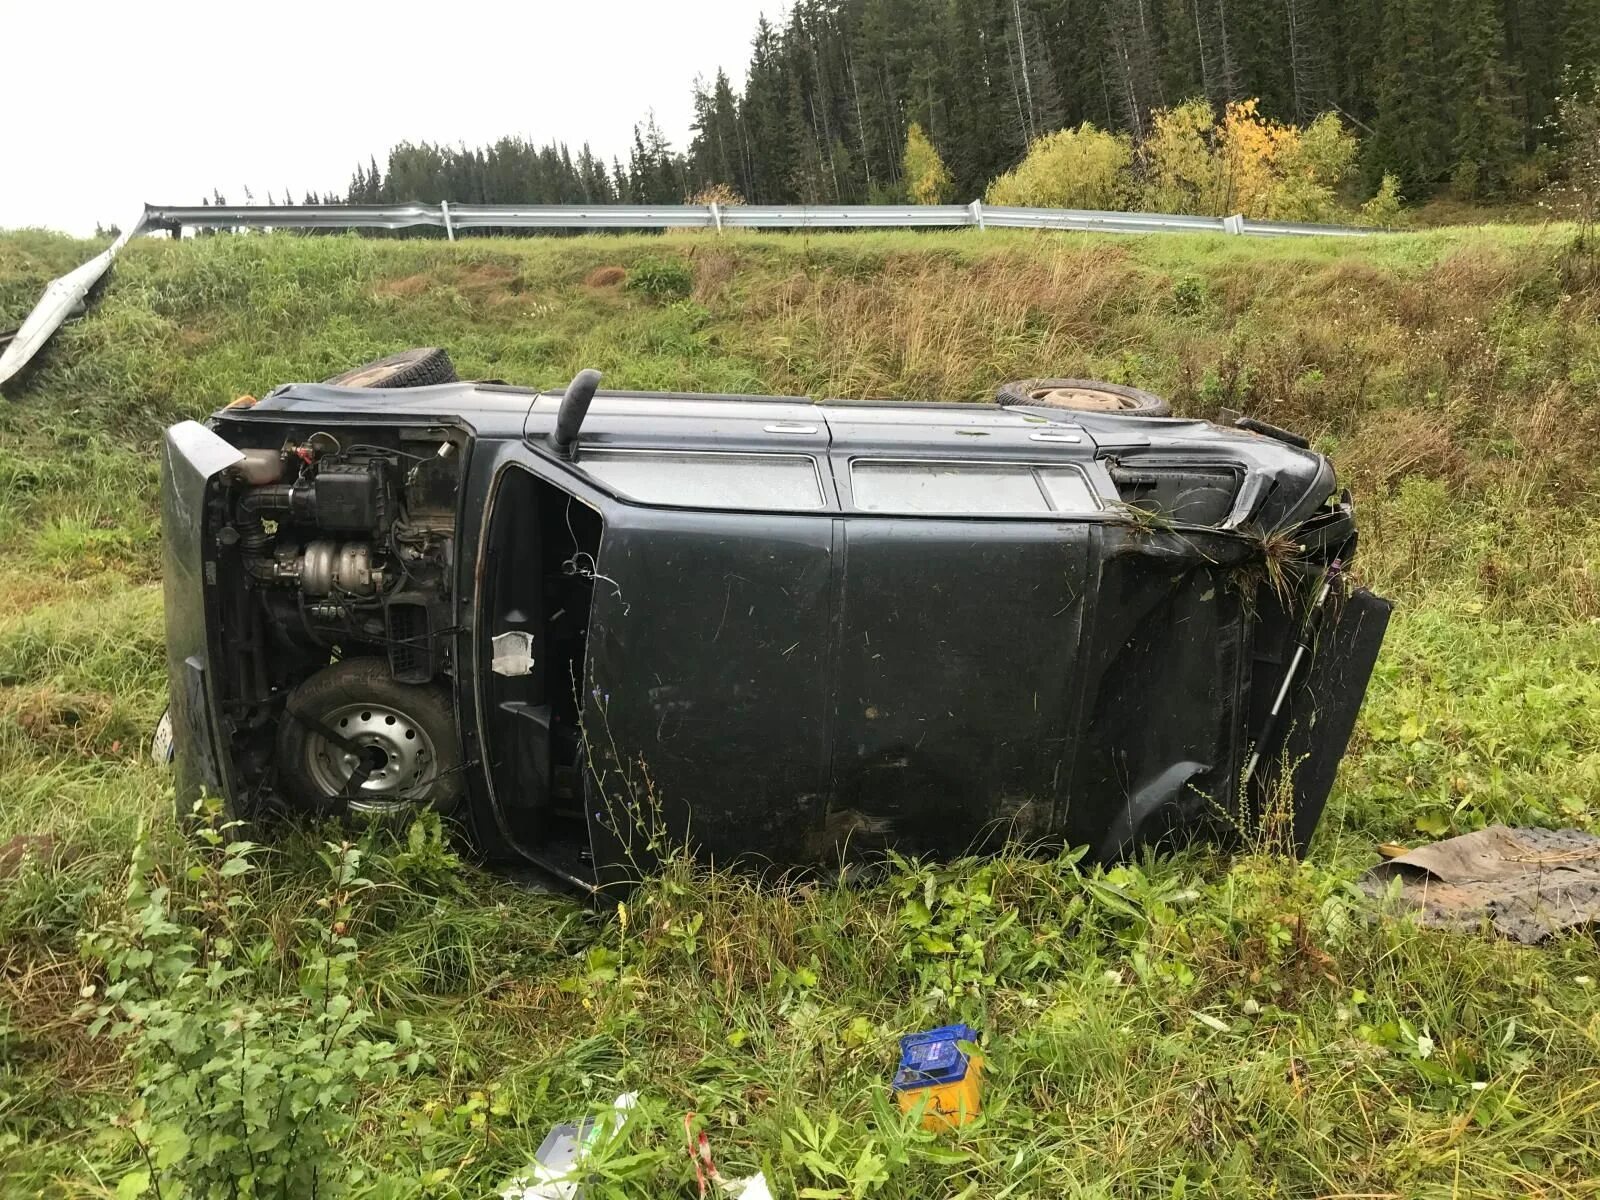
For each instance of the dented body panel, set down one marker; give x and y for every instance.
(859, 641)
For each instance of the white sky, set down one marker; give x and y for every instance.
(108, 106)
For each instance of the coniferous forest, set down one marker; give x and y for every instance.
(1451, 97)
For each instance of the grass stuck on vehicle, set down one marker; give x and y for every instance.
(321, 1003)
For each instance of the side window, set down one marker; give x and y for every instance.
(967, 488)
(693, 479)
(1068, 489)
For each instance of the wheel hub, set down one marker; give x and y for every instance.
(390, 749)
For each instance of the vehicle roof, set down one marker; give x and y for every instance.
(1280, 484)
(693, 419)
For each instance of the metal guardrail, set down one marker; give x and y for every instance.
(454, 217)
(67, 295)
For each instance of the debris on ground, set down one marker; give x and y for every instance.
(706, 1175)
(937, 1073)
(557, 1170)
(1527, 883)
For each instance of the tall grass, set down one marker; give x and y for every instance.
(1181, 1026)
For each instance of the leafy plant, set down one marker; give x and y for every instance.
(660, 278)
(838, 1165)
(238, 1093)
(1070, 168)
(965, 929)
(1244, 163)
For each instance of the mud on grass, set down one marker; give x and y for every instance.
(1181, 1026)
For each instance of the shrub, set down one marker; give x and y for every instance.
(661, 278)
(1530, 176)
(1070, 168)
(1309, 168)
(1180, 170)
(238, 1092)
(1245, 163)
(1577, 123)
(1189, 295)
(1466, 180)
(1383, 210)
(717, 193)
(1249, 154)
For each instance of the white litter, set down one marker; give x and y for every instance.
(558, 1167)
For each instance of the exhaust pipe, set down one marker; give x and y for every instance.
(574, 407)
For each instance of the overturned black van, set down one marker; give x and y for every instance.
(784, 632)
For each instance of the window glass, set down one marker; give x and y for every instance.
(961, 488)
(1068, 490)
(688, 479)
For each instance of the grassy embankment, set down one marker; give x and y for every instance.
(1182, 1027)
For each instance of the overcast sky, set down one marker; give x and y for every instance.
(108, 106)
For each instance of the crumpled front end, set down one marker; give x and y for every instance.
(1317, 645)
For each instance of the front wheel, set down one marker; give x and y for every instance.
(354, 740)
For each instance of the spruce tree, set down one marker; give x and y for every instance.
(1412, 132)
(1440, 90)
(1486, 137)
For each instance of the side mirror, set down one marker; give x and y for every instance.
(574, 407)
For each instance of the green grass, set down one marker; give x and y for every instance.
(1184, 1026)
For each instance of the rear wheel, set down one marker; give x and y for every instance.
(356, 741)
(421, 367)
(1083, 395)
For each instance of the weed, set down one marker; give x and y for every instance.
(1189, 295)
(236, 1091)
(660, 279)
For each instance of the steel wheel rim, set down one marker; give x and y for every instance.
(399, 750)
(1082, 399)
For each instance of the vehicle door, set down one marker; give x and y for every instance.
(965, 577)
(707, 708)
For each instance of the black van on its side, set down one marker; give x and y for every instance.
(787, 632)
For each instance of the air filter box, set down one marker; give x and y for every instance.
(350, 497)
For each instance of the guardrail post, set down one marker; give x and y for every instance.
(976, 209)
(1233, 224)
(716, 215)
(449, 227)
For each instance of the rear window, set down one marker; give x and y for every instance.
(967, 488)
(693, 479)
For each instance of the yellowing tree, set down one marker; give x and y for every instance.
(1248, 147)
(1245, 163)
(1180, 171)
(1310, 171)
(1070, 168)
(926, 179)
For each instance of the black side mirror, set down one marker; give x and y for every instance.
(574, 407)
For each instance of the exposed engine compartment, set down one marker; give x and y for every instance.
(344, 540)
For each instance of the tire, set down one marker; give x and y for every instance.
(408, 732)
(1083, 395)
(421, 367)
